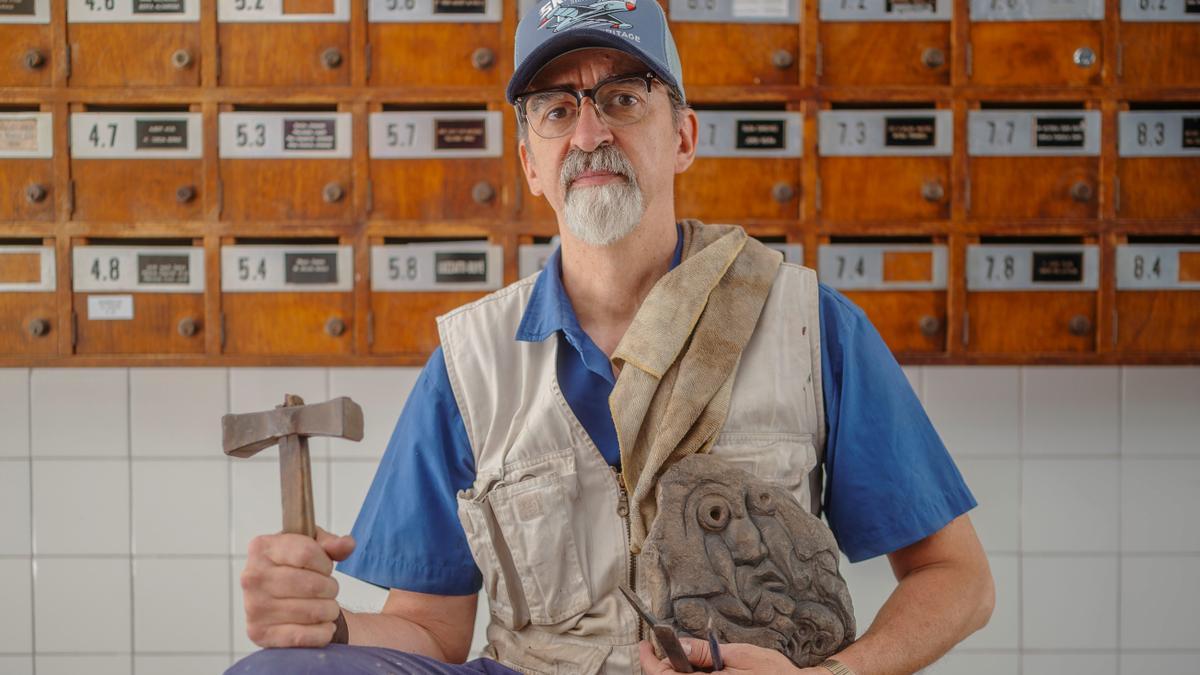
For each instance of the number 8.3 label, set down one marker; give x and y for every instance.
(161, 269)
(1159, 134)
(437, 266)
(1051, 267)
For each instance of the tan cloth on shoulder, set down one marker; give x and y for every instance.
(679, 357)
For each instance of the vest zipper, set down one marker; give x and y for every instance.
(631, 566)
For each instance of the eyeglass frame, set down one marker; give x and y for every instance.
(648, 77)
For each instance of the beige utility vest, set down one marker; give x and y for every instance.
(546, 519)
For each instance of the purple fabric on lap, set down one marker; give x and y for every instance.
(338, 659)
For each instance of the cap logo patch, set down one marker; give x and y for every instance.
(560, 15)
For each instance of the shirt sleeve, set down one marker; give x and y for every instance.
(408, 533)
(889, 480)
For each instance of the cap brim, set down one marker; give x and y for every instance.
(578, 38)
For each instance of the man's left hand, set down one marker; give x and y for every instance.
(740, 659)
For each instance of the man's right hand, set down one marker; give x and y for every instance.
(289, 590)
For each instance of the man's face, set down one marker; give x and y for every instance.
(600, 180)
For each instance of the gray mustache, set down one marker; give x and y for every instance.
(604, 158)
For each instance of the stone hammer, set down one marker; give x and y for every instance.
(289, 426)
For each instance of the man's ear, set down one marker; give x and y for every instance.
(531, 174)
(685, 151)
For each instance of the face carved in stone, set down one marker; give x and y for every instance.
(741, 552)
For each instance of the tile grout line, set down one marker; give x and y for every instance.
(129, 451)
(1020, 520)
(32, 535)
(229, 523)
(1120, 500)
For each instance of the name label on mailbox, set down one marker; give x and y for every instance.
(26, 135)
(164, 269)
(27, 269)
(255, 268)
(871, 133)
(424, 135)
(1037, 10)
(792, 253)
(437, 266)
(24, 11)
(281, 11)
(431, 11)
(883, 267)
(1025, 133)
(1153, 267)
(1159, 133)
(886, 10)
(247, 135)
(748, 133)
(1160, 10)
(136, 136)
(724, 11)
(1051, 267)
(132, 11)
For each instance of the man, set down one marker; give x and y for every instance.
(505, 470)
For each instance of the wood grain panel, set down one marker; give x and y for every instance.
(1029, 323)
(154, 328)
(17, 310)
(143, 189)
(133, 54)
(435, 54)
(883, 188)
(1158, 321)
(276, 189)
(1034, 53)
(282, 55)
(731, 189)
(883, 53)
(17, 176)
(287, 323)
(1158, 187)
(897, 315)
(1034, 187)
(737, 54)
(1160, 54)
(404, 323)
(430, 189)
(16, 42)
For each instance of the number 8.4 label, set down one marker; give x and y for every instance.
(1148, 267)
(437, 266)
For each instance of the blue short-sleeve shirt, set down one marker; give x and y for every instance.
(889, 480)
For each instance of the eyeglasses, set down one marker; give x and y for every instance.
(620, 100)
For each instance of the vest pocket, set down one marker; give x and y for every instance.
(783, 459)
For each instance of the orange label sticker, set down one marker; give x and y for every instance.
(907, 266)
(1189, 265)
(20, 268)
(308, 6)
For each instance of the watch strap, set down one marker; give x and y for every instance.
(835, 667)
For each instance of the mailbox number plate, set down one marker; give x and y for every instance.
(532, 258)
(136, 136)
(1037, 10)
(883, 267)
(1144, 267)
(1159, 134)
(285, 135)
(169, 269)
(1160, 10)
(26, 135)
(867, 133)
(430, 11)
(1053, 267)
(1023, 133)
(437, 266)
(27, 269)
(24, 11)
(886, 10)
(132, 11)
(265, 268)
(730, 11)
(750, 134)
(418, 135)
(278, 11)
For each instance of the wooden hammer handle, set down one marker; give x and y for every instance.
(295, 480)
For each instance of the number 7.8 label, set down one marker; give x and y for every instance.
(1002, 267)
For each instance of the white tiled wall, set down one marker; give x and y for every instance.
(124, 526)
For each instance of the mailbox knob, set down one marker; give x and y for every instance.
(782, 59)
(933, 58)
(483, 192)
(331, 58)
(335, 327)
(932, 191)
(35, 193)
(1081, 191)
(483, 58)
(34, 59)
(1079, 325)
(181, 58)
(929, 325)
(1084, 57)
(185, 194)
(187, 327)
(332, 193)
(38, 327)
(783, 192)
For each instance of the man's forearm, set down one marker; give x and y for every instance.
(932, 609)
(386, 630)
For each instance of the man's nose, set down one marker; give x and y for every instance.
(590, 131)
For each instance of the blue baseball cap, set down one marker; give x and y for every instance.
(552, 28)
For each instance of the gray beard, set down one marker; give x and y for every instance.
(599, 215)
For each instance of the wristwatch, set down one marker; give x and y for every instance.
(835, 667)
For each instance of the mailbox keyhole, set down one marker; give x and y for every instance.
(483, 58)
(35, 193)
(333, 193)
(929, 325)
(185, 194)
(1084, 57)
(181, 59)
(34, 59)
(932, 191)
(783, 193)
(331, 58)
(38, 327)
(483, 192)
(1079, 325)
(1081, 192)
(188, 327)
(782, 59)
(335, 327)
(933, 58)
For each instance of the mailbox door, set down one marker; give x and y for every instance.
(285, 190)
(738, 54)
(284, 54)
(885, 53)
(1158, 187)
(403, 323)
(1159, 54)
(1030, 322)
(1050, 187)
(26, 187)
(18, 314)
(911, 322)
(885, 188)
(466, 188)
(138, 190)
(1046, 53)
(288, 323)
(25, 55)
(135, 54)
(154, 329)
(727, 188)
(1161, 322)
(436, 54)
